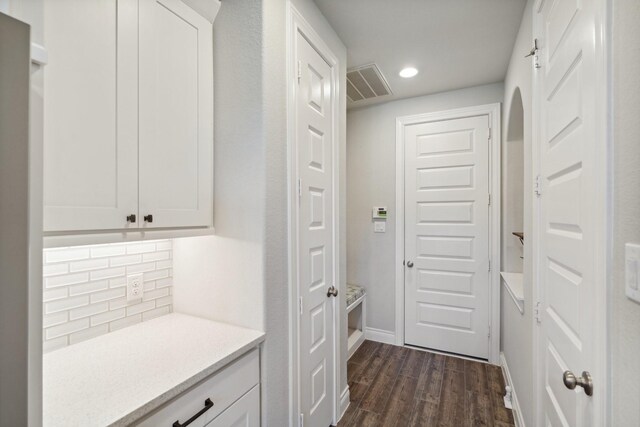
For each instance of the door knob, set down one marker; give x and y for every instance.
(332, 292)
(584, 381)
(410, 264)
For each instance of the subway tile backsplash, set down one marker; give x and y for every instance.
(85, 289)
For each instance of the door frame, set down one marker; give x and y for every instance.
(603, 193)
(495, 142)
(297, 23)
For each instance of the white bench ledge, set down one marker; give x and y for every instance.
(513, 283)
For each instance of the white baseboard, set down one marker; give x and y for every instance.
(517, 413)
(380, 335)
(344, 402)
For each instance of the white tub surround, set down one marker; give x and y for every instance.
(118, 378)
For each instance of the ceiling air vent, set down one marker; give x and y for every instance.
(366, 82)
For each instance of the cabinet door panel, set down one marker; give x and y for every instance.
(244, 413)
(176, 115)
(90, 126)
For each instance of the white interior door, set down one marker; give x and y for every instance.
(91, 120)
(176, 115)
(569, 234)
(447, 235)
(315, 224)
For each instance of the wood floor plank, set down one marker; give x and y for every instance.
(365, 419)
(398, 351)
(371, 368)
(345, 421)
(375, 399)
(413, 364)
(357, 391)
(496, 392)
(451, 410)
(353, 369)
(400, 402)
(475, 376)
(478, 409)
(365, 352)
(454, 363)
(430, 380)
(423, 414)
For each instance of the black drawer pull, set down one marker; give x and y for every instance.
(208, 404)
(148, 218)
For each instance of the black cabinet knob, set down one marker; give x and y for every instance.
(148, 218)
(131, 218)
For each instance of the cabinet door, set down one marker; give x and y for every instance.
(244, 413)
(90, 115)
(176, 115)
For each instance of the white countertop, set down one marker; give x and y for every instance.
(119, 377)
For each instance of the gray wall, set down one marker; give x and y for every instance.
(517, 329)
(371, 169)
(625, 314)
(21, 201)
(14, 220)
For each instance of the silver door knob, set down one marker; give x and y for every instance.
(332, 292)
(584, 381)
(409, 264)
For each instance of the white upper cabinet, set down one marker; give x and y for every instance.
(176, 115)
(128, 116)
(90, 123)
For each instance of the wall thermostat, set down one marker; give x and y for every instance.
(380, 212)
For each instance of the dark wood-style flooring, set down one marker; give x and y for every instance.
(394, 386)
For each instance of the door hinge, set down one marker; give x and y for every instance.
(489, 334)
(489, 199)
(537, 313)
(299, 188)
(301, 423)
(299, 71)
(489, 137)
(537, 186)
(489, 269)
(300, 305)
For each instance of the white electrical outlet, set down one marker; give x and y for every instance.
(135, 287)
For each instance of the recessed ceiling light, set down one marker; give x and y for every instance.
(408, 72)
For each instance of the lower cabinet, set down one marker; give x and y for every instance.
(244, 413)
(229, 397)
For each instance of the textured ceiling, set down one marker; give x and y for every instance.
(453, 43)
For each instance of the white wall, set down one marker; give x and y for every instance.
(625, 314)
(243, 269)
(516, 328)
(371, 169)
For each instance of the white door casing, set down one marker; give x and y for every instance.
(571, 210)
(89, 146)
(176, 115)
(314, 146)
(447, 290)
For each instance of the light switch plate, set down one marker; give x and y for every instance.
(632, 271)
(379, 226)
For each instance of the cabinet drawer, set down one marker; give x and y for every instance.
(223, 388)
(244, 413)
